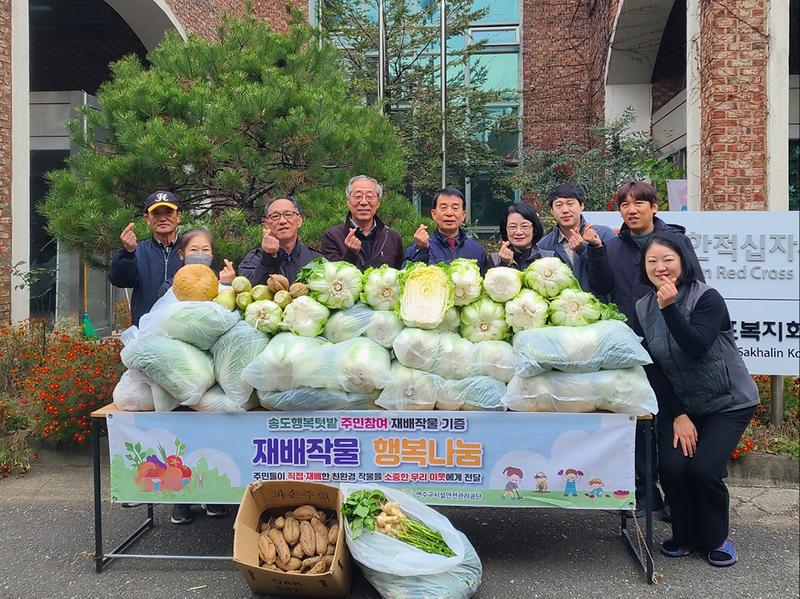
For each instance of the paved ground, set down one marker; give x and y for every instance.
(47, 543)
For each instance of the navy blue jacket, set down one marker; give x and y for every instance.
(614, 267)
(258, 265)
(438, 251)
(579, 267)
(144, 271)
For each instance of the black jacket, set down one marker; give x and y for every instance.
(258, 265)
(614, 267)
(382, 246)
(144, 271)
(523, 259)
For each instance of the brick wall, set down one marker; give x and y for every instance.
(733, 104)
(5, 161)
(202, 16)
(275, 13)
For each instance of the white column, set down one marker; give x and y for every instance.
(20, 155)
(693, 113)
(778, 106)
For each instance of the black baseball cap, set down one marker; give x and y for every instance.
(160, 198)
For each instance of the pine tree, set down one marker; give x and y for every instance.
(225, 125)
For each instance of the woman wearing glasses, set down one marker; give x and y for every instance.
(520, 229)
(281, 251)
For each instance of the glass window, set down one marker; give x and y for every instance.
(495, 71)
(486, 209)
(494, 36)
(500, 11)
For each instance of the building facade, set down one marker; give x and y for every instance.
(715, 83)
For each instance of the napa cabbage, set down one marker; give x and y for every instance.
(549, 276)
(526, 311)
(336, 285)
(484, 320)
(381, 287)
(264, 315)
(384, 327)
(502, 283)
(575, 308)
(426, 294)
(466, 278)
(305, 316)
(348, 324)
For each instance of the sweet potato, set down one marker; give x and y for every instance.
(266, 549)
(264, 527)
(290, 565)
(297, 551)
(305, 512)
(321, 536)
(333, 533)
(282, 549)
(307, 538)
(330, 550)
(291, 531)
(279, 523)
(319, 568)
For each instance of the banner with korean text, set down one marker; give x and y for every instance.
(582, 461)
(753, 260)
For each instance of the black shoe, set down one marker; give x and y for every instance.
(181, 514)
(215, 511)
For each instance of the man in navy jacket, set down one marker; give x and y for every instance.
(145, 266)
(448, 241)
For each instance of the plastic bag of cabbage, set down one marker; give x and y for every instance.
(232, 353)
(438, 352)
(132, 392)
(216, 400)
(607, 344)
(410, 389)
(305, 399)
(384, 327)
(356, 366)
(198, 323)
(348, 324)
(472, 393)
(625, 391)
(180, 369)
(276, 368)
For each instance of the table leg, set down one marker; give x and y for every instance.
(98, 514)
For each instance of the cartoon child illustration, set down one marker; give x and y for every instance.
(571, 476)
(541, 482)
(595, 489)
(514, 476)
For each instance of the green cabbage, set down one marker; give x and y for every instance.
(426, 294)
(232, 353)
(381, 288)
(502, 283)
(410, 389)
(548, 276)
(264, 315)
(451, 321)
(278, 367)
(484, 320)
(348, 324)
(575, 308)
(334, 284)
(526, 311)
(384, 327)
(305, 316)
(466, 278)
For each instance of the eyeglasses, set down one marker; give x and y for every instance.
(287, 214)
(565, 204)
(358, 196)
(525, 228)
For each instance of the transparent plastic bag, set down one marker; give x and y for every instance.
(356, 366)
(472, 393)
(625, 391)
(215, 400)
(348, 324)
(495, 359)
(410, 389)
(197, 323)
(384, 327)
(180, 369)
(460, 582)
(386, 554)
(607, 344)
(133, 393)
(309, 399)
(232, 353)
(276, 368)
(437, 352)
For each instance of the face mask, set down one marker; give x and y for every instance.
(199, 258)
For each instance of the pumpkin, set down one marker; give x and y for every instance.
(195, 282)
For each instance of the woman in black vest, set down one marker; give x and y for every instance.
(520, 230)
(712, 398)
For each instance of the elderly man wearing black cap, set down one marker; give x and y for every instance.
(144, 266)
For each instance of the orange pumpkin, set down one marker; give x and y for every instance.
(195, 282)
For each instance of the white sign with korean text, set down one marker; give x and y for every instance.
(752, 259)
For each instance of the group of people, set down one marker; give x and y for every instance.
(649, 269)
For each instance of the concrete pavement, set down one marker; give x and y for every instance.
(47, 545)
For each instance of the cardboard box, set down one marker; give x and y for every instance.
(280, 496)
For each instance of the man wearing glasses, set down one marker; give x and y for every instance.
(566, 238)
(363, 239)
(281, 251)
